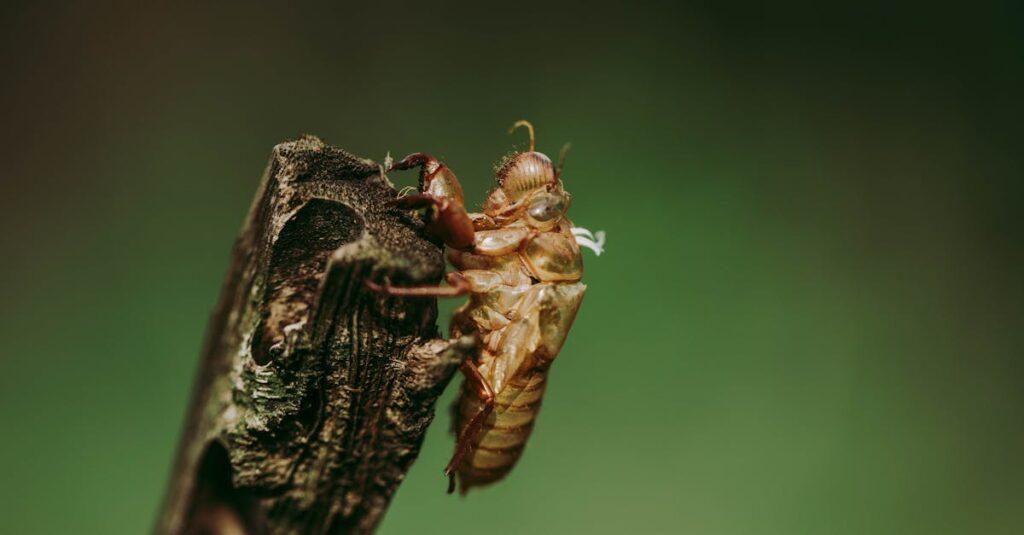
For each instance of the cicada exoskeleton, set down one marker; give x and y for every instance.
(519, 263)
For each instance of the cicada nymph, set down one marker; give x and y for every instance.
(519, 263)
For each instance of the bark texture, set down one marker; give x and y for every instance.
(313, 393)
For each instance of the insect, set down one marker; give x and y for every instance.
(519, 262)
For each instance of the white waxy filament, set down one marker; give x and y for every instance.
(591, 240)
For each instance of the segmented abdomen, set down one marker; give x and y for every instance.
(504, 434)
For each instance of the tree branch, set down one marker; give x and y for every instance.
(313, 393)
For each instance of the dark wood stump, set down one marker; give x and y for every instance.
(313, 393)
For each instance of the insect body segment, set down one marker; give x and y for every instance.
(519, 262)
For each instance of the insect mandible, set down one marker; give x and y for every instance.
(519, 262)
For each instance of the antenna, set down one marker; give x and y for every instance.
(561, 159)
(529, 128)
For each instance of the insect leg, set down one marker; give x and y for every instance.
(427, 163)
(441, 192)
(417, 201)
(483, 391)
(457, 285)
(447, 219)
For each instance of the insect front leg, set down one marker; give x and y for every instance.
(476, 384)
(441, 194)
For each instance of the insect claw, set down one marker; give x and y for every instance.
(418, 201)
(413, 160)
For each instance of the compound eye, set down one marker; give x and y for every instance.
(546, 208)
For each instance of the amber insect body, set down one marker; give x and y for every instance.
(519, 262)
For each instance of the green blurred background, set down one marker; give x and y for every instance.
(808, 320)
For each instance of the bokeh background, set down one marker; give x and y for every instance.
(808, 320)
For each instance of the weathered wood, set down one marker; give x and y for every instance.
(313, 393)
